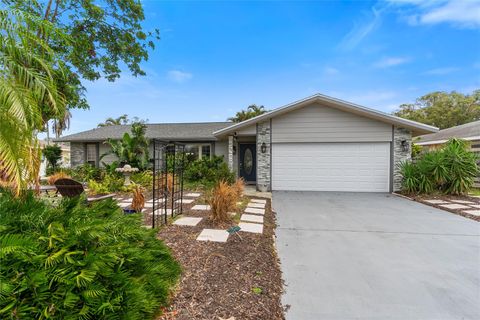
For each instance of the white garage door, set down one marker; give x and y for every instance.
(362, 167)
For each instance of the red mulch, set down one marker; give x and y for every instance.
(422, 198)
(239, 279)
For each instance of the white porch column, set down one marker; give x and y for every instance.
(230, 153)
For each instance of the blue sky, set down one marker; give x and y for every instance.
(215, 58)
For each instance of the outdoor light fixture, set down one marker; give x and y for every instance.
(234, 150)
(263, 147)
(404, 144)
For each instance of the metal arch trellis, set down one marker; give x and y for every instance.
(168, 165)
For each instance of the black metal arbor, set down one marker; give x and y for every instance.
(168, 164)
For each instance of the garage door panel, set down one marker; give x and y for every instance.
(331, 166)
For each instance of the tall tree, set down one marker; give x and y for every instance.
(29, 70)
(107, 36)
(442, 109)
(251, 111)
(123, 119)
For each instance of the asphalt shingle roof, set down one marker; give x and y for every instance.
(202, 131)
(468, 130)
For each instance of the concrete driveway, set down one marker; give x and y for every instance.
(375, 256)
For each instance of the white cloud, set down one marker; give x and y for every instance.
(390, 62)
(440, 71)
(330, 71)
(361, 30)
(179, 76)
(460, 13)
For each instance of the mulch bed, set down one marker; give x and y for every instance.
(239, 279)
(422, 198)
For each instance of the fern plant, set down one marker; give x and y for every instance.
(80, 262)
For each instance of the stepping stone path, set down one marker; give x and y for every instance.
(185, 201)
(251, 218)
(251, 227)
(255, 211)
(473, 212)
(192, 195)
(200, 207)
(161, 211)
(187, 221)
(213, 235)
(256, 205)
(477, 206)
(435, 201)
(258, 201)
(463, 202)
(454, 206)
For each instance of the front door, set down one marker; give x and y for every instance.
(248, 162)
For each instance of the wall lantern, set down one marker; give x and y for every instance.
(234, 150)
(405, 145)
(263, 148)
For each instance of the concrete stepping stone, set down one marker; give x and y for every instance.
(436, 201)
(148, 205)
(185, 201)
(251, 227)
(213, 235)
(255, 211)
(256, 205)
(475, 206)
(232, 214)
(251, 218)
(473, 212)
(161, 211)
(201, 207)
(258, 201)
(192, 195)
(159, 200)
(187, 221)
(454, 206)
(463, 201)
(124, 204)
(127, 199)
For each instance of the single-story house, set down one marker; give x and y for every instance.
(468, 131)
(318, 143)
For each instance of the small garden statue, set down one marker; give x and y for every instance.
(127, 170)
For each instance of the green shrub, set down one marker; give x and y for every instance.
(143, 178)
(208, 171)
(108, 184)
(80, 262)
(451, 170)
(86, 172)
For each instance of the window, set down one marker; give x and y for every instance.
(205, 151)
(92, 154)
(197, 151)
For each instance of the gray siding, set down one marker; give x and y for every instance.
(77, 154)
(103, 149)
(318, 123)
(221, 149)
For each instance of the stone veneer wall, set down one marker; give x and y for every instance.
(399, 155)
(264, 159)
(230, 153)
(77, 154)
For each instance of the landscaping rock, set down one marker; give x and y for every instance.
(251, 218)
(251, 227)
(213, 235)
(201, 207)
(255, 211)
(187, 221)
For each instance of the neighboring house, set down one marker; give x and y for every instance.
(468, 131)
(318, 143)
(64, 161)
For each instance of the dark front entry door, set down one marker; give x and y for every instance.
(248, 162)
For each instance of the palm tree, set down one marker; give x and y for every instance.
(27, 88)
(251, 111)
(123, 119)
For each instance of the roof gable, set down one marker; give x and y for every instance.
(467, 131)
(416, 127)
